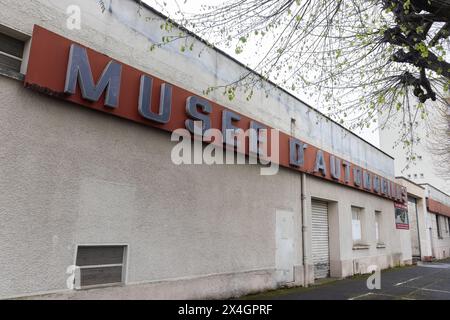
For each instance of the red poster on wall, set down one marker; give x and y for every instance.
(401, 216)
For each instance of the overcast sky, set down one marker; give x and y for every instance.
(247, 56)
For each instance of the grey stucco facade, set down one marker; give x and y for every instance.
(71, 176)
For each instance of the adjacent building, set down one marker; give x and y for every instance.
(419, 226)
(427, 184)
(423, 166)
(92, 204)
(438, 224)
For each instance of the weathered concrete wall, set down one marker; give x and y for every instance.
(418, 193)
(73, 176)
(441, 245)
(345, 259)
(424, 169)
(436, 194)
(126, 33)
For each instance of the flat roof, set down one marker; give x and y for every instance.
(427, 184)
(410, 181)
(150, 8)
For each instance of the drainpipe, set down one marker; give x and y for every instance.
(303, 207)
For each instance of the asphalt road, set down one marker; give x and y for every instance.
(429, 281)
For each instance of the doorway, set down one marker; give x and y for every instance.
(285, 250)
(320, 239)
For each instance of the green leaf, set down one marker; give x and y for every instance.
(243, 39)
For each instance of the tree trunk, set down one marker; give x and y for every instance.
(440, 8)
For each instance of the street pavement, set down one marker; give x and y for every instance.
(426, 281)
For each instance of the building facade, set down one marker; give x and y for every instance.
(426, 167)
(92, 204)
(429, 220)
(438, 206)
(421, 244)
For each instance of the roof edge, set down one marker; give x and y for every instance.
(410, 181)
(197, 37)
(427, 184)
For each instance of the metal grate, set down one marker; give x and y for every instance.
(100, 265)
(11, 52)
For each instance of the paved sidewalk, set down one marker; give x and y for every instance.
(426, 281)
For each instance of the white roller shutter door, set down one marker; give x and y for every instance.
(320, 242)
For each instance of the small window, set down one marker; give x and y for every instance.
(100, 265)
(378, 226)
(409, 176)
(421, 175)
(11, 52)
(446, 224)
(356, 224)
(415, 175)
(419, 157)
(438, 227)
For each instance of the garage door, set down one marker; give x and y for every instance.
(320, 245)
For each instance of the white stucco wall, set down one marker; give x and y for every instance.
(425, 169)
(418, 192)
(345, 259)
(440, 245)
(72, 176)
(436, 194)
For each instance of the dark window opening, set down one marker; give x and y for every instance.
(100, 265)
(11, 52)
(438, 227)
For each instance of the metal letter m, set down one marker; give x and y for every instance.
(79, 68)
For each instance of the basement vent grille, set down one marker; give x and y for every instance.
(100, 265)
(11, 52)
